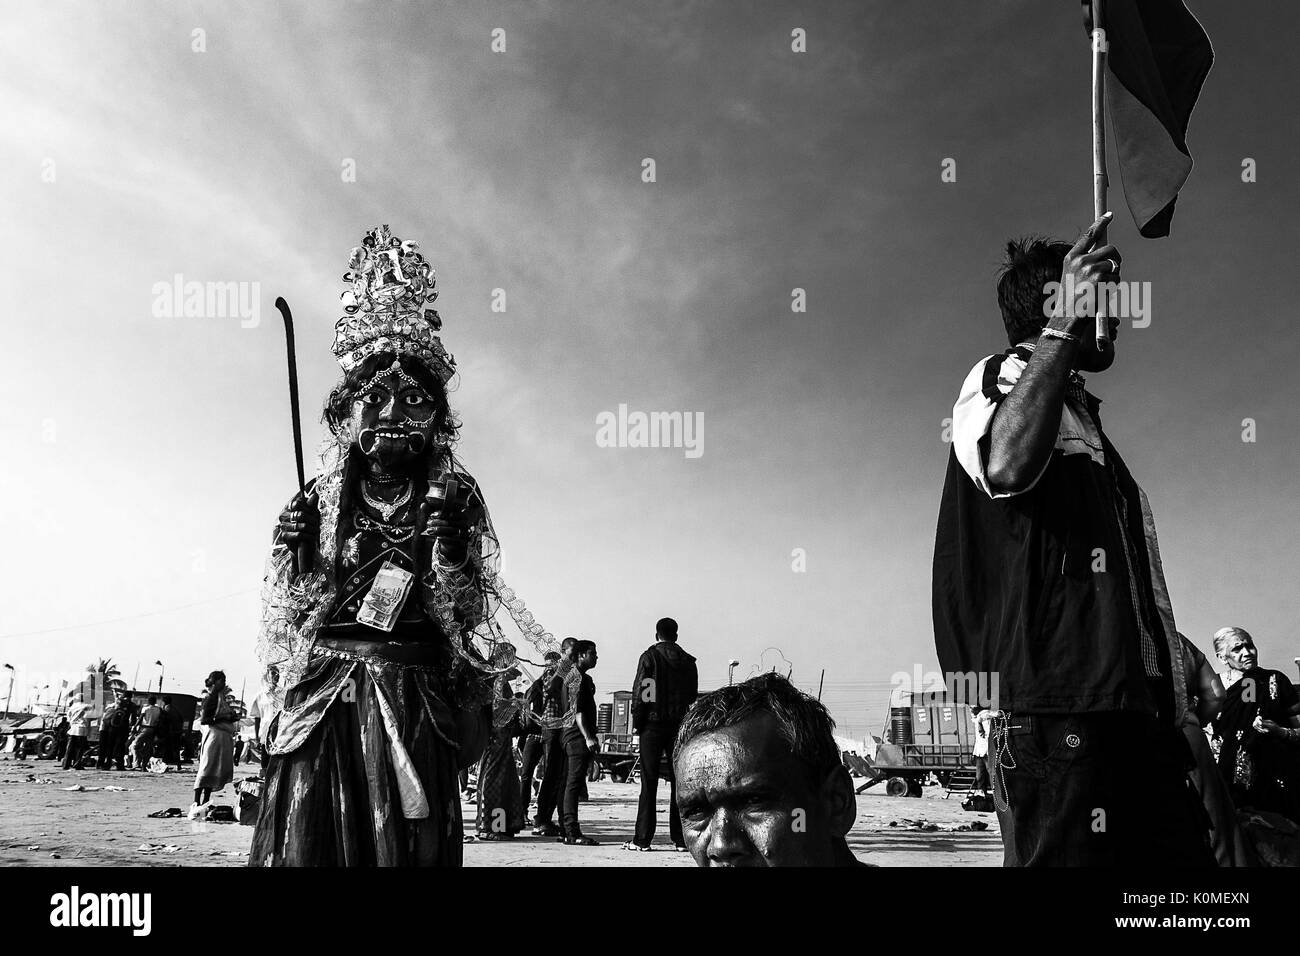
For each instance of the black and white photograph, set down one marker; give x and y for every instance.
(707, 433)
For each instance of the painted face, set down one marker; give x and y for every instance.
(392, 418)
(746, 800)
(1240, 653)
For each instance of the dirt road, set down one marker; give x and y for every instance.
(44, 824)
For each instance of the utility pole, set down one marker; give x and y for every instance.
(9, 696)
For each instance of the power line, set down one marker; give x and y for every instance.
(131, 617)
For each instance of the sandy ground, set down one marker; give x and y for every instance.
(43, 824)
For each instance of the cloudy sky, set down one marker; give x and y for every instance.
(147, 456)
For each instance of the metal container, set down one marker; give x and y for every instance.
(900, 725)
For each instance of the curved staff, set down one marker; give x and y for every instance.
(304, 552)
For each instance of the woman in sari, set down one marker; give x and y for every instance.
(1257, 733)
(217, 752)
(500, 810)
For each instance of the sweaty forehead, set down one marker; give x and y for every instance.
(750, 753)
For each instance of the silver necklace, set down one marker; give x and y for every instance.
(384, 508)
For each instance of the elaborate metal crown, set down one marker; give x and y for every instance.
(390, 305)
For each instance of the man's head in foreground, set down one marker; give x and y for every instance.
(760, 781)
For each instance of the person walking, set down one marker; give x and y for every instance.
(666, 684)
(217, 753)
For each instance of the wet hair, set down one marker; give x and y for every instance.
(446, 426)
(1225, 634)
(666, 628)
(803, 722)
(213, 677)
(1031, 263)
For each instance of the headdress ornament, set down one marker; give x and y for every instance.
(390, 305)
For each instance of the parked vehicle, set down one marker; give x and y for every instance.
(923, 735)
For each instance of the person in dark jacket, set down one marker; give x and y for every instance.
(61, 738)
(667, 682)
(1048, 580)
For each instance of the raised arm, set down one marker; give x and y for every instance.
(1025, 426)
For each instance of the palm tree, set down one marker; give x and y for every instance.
(106, 667)
(111, 674)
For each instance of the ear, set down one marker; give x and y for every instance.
(839, 800)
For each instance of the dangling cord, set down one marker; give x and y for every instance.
(1001, 733)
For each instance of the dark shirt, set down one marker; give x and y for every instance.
(586, 707)
(1019, 589)
(666, 684)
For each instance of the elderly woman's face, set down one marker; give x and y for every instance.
(1239, 653)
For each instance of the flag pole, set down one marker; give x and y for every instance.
(1099, 180)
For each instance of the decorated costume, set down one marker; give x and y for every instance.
(388, 644)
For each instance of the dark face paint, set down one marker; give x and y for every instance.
(393, 420)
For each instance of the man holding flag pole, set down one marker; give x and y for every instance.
(1046, 568)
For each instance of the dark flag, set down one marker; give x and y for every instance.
(1158, 56)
